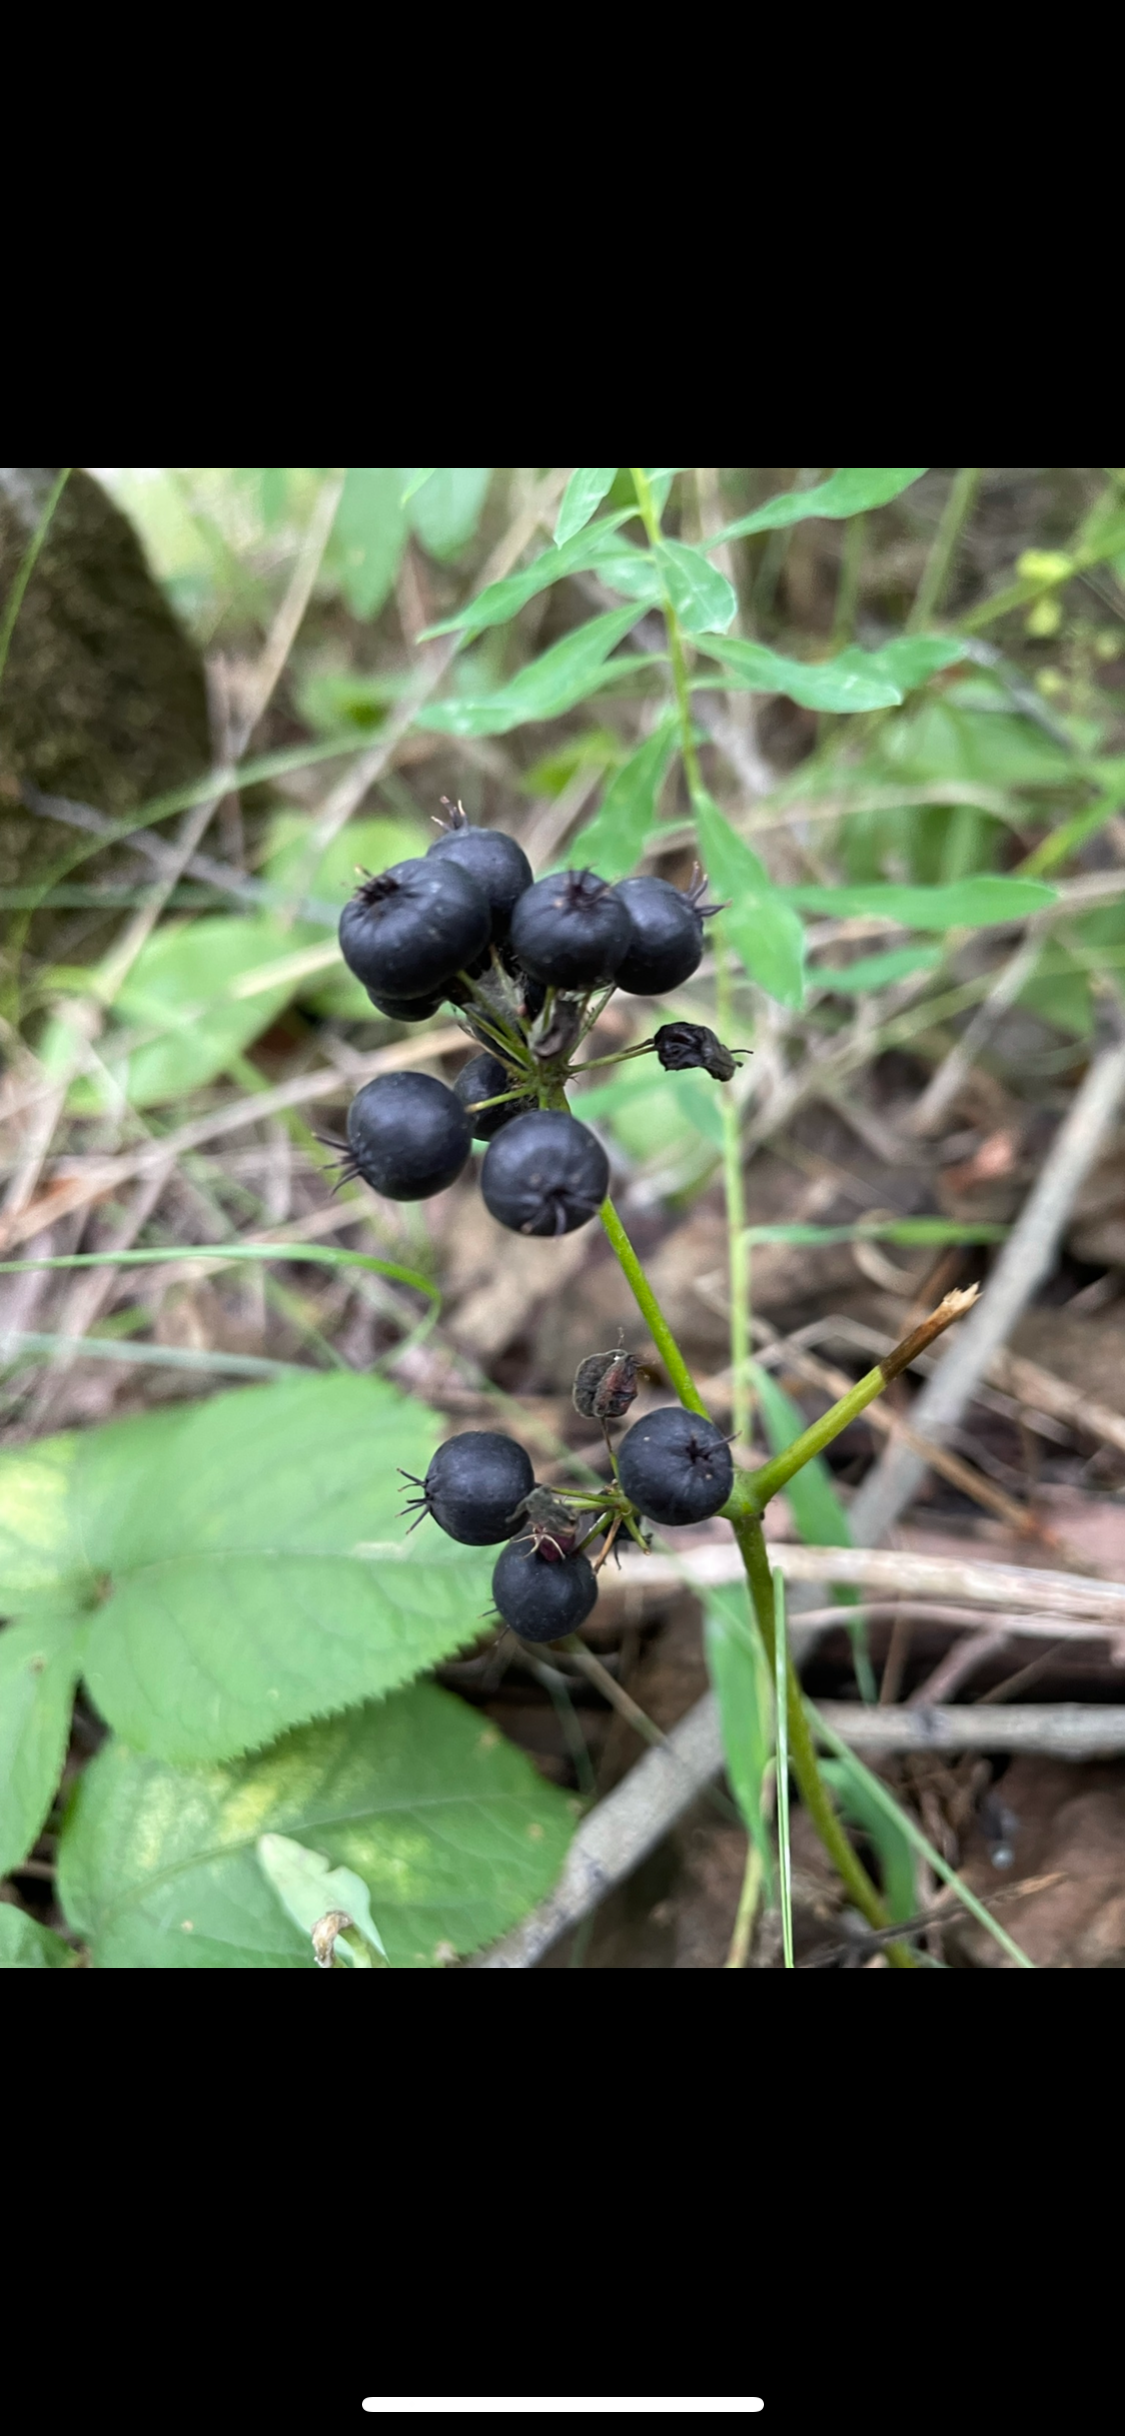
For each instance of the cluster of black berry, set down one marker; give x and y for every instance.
(530, 963)
(673, 1467)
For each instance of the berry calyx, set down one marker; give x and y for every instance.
(474, 1486)
(541, 1599)
(482, 1079)
(545, 1174)
(679, 1045)
(407, 932)
(495, 861)
(408, 1136)
(571, 930)
(667, 937)
(675, 1466)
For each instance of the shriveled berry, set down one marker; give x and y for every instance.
(498, 865)
(667, 937)
(474, 1486)
(571, 930)
(553, 1526)
(545, 1174)
(408, 931)
(408, 1136)
(605, 1385)
(482, 1079)
(542, 1600)
(675, 1466)
(679, 1045)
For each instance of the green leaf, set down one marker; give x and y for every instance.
(187, 988)
(848, 683)
(948, 738)
(909, 660)
(703, 599)
(764, 931)
(446, 510)
(880, 1230)
(500, 601)
(820, 1518)
(874, 972)
(584, 492)
(622, 568)
(563, 676)
(973, 904)
(368, 536)
(897, 1867)
(781, 1729)
(451, 1829)
(39, 1666)
(741, 1683)
(25, 1945)
(309, 1887)
(614, 840)
(244, 1560)
(414, 477)
(848, 492)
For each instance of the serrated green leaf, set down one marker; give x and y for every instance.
(368, 537)
(848, 683)
(248, 1556)
(614, 840)
(564, 675)
(451, 1829)
(764, 931)
(704, 601)
(25, 1945)
(848, 492)
(39, 1666)
(444, 512)
(741, 1683)
(309, 1887)
(972, 904)
(584, 492)
(500, 601)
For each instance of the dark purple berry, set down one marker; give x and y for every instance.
(407, 932)
(675, 1466)
(545, 1174)
(482, 1079)
(679, 1045)
(667, 942)
(474, 1486)
(542, 1599)
(408, 1136)
(404, 1010)
(571, 930)
(497, 864)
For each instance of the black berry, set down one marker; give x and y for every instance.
(541, 1599)
(406, 933)
(571, 930)
(482, 1079)
(675, 1466)
(474, 1486)
(408, 1136)
(679, 1045)
(667, 937)
(498, 865)
(545, 1174)
(404, 1010)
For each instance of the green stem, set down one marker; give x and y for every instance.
(737, 1237)
(647, 1304)
(935, 574)
(753, 1490)
(802, 1755)
(651, 520)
